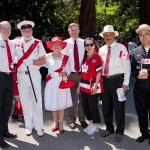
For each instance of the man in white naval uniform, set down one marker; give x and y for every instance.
(28, 65)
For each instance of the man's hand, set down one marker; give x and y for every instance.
(143, 74)
(125, 87)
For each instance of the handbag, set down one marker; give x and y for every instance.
(66, 83)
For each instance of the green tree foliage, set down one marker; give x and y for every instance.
(52, 17)
(122, 14)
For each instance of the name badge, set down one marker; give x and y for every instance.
(2, 46)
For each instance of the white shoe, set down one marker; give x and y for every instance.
(28, 132)
(87, 128)
(93, 129)
(40, 133)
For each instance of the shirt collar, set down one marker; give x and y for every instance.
(112, 45)
(2, 39)
(74, 39)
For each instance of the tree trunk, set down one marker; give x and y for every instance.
(87, 18)
(144, 15)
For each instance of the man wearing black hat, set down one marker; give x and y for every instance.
(30, 57)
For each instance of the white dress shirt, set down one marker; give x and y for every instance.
(69, 50)
(4, 65)
(117, 65)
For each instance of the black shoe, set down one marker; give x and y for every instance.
(20, 118)
(83, 124)
(15, 117)
(3, 144)
(142, 138)
(10, 135)
(72, 125)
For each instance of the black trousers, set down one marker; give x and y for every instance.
(110, 103)
(6, 98)
(142, 104)
(90, 107)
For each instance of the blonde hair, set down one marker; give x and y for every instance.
(73, 24)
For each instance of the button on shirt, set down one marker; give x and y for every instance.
(117, 65)
(38, 52)
(4, 65)
(69, 50)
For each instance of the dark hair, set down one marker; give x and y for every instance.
(94, 42)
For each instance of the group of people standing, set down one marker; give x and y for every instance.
(92, 73)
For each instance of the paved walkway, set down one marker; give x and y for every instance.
(76, 139)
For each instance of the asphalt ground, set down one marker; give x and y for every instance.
(76, 139)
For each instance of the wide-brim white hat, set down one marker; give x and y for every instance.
(25, 24)
(108, 28)
(142, 27)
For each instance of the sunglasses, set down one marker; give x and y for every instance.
(87, 45)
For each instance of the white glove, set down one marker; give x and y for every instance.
(55, 74)
(28, 62)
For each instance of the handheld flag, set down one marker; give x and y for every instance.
(145, 61)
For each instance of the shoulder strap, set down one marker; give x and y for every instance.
(27, 54)
(64, 62)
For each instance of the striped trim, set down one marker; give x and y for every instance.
(87, 87)
(98, 68)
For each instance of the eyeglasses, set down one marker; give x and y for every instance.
(87, 45)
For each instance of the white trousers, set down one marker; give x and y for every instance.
(32, 110)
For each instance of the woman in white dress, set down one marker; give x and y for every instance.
(56, 99)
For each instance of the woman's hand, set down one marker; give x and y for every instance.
(94, 89)
(62, 74)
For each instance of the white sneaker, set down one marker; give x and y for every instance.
(28, 132)
(93, 129)
(87, 128)
(40, 133)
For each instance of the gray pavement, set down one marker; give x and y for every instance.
(77, 139)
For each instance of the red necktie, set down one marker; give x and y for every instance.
(76, 57)
(10, 62)
(107, 61)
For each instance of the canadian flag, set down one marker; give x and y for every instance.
(124, 55)
(145, 61)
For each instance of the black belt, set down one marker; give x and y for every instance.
(113, 76)
(76, 72)
(6, 73)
